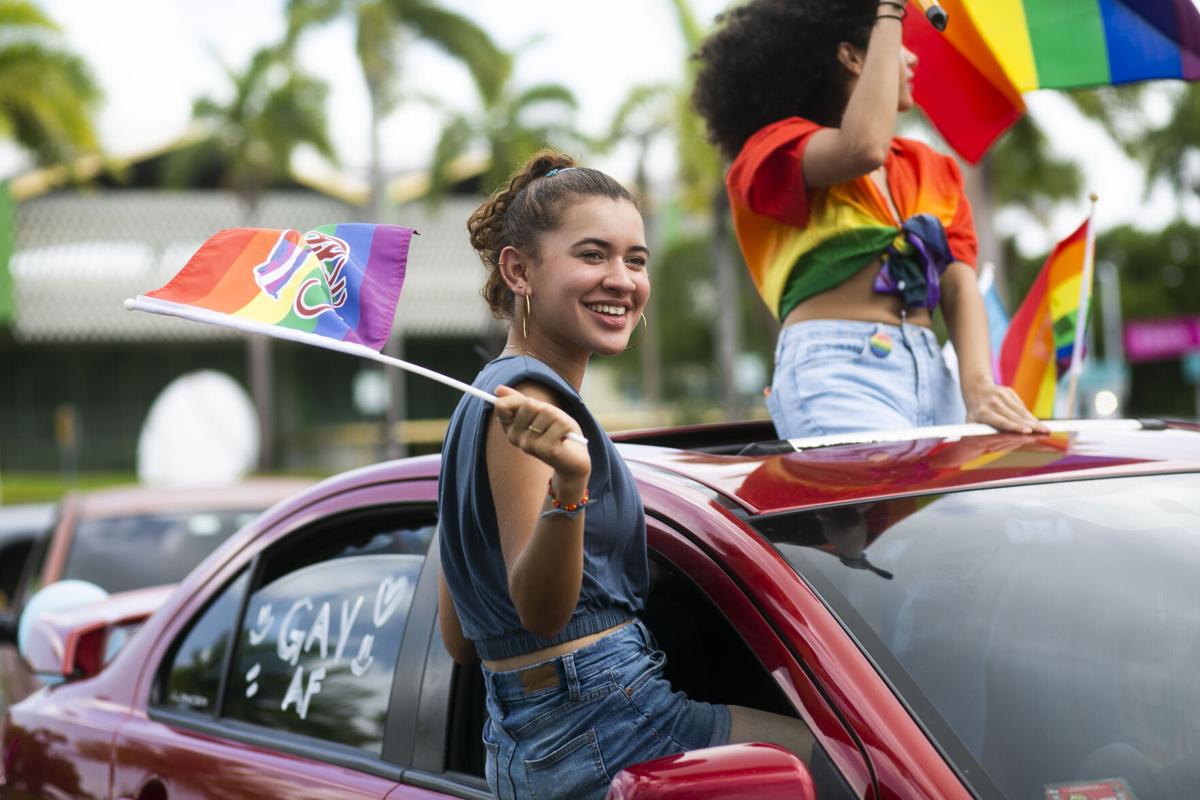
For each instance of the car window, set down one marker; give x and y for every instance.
(192, 680)
(1049, 632)
(318, 642)
(134, 552)
(14, 552)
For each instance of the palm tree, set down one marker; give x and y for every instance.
(646, 114)
(382, 30)
(274, 108)
(513, 124)
(250, 138)
(47, 94)
(701, 172)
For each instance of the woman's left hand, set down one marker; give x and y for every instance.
(1000, 407)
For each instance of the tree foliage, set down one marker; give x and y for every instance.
(274, 107)
(382, 31)
(47, 94)
(512, 124)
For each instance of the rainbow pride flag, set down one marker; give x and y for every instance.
(340, 282)
(1045, 336)
(970, 78)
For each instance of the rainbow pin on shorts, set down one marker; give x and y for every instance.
(881, 344)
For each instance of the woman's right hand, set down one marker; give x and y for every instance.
(540, 429)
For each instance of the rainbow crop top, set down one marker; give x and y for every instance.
(799, 242)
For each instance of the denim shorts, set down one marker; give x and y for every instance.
(567, 726)
(841, 376)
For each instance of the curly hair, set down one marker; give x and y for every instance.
(528, 206)
(773, 59)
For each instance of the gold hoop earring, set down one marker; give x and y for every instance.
(646, 327)
(524, 317)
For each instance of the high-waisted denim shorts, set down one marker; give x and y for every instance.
(565, 727)
(841, 376)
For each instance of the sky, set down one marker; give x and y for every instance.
(154, 57)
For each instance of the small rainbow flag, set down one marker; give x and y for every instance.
(970, 78)
(1045, 336)
(340, 282)
(334, 287)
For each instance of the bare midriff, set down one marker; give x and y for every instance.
(547, 653)
(855, 299)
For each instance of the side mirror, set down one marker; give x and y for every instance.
(74, 631)
(42, 634)
(736, 770)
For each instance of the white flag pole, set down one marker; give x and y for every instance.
(1085, 294)
(155, 306)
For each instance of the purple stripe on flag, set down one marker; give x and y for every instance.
(381, 283)
(1189, 38)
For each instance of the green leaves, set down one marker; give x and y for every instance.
(47, 94)
(274, 108)
(512, 124)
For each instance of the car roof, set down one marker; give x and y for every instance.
(253, 494)
(758, 474)
(771, 476)
(25, 519)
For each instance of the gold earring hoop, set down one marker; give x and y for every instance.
(645, 327)
(524, 317)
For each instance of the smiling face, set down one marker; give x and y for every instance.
(588, 283)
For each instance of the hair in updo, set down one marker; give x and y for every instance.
(529, 206)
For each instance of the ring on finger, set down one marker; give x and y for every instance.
(537, 430)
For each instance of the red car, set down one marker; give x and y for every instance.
(954, 614)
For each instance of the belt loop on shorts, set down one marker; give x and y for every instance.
(568, 662)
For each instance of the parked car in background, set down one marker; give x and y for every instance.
(21, 525)
(122, 539)
(954, 613)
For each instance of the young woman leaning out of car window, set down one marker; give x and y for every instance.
(543, 539)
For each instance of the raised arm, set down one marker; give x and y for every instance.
(860, 144)
(526, 448)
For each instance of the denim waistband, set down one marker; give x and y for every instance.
(815, 330)
(566, 669)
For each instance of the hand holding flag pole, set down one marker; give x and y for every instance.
(335, 287)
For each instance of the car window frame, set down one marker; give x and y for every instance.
(409, 497)
(433, 719)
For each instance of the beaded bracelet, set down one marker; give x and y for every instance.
(561, 509)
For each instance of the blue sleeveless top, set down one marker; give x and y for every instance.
(615, 571)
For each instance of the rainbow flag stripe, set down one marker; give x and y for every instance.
(799, 242)
(336, 281)
(1041, 337)
(969, 79)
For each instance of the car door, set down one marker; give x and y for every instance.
(280, 685)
